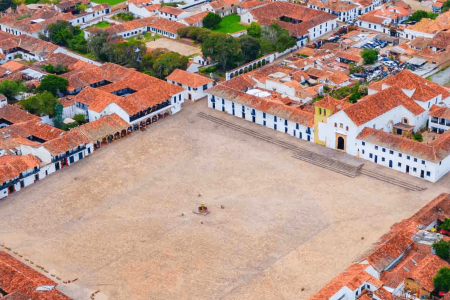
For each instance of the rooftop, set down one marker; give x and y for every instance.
(189, 79)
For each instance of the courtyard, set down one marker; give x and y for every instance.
(174, 46)
(120, 221)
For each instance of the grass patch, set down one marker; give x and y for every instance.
(230, 24)
(110, 2)
(146, 37)
(102, 24)
(173, 4)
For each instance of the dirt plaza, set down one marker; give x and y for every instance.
(121, 221)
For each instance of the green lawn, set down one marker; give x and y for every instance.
(110, 2)
(102, 24)
(146, 37)
(230, 24)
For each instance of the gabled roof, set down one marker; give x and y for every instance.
(333, 5)
(189, 79)
(171, 10)
(425, 271)
(375, 105)
(309, 18)
(332, 104)
(196, 18)
(14, 114)
(19, 279)
(106, 125)
(31, 128)
(11, 166)
(66, 142)
(439, 112)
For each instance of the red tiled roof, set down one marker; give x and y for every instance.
(66, 142)
(196, 18)
(395, 276)
(333, 5)
(271, 12)
(426, 269)
(166, 25)
(105, 126)
(14, 114)
(333, 104)
(10, 167)
(439, 112)
(372, 106)
(171, 10)
(251, 4)
(189, 79)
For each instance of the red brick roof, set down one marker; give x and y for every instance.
(439, 112)
(66, 142)
(426, 269)
(14, 114)
(189, 79)
(166, 25)
(196, 18)
(271, 12)
(251, 4)
(171, 10)
(105, 126)
(372, 106)
(11, 166)
(333, 5)
(333, 104)
(424, 89)
(17, 278)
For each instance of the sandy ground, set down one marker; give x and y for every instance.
(174, 46)
(114, 220)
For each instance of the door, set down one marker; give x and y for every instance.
(422, 173)
(80, 155)
(341, 143)
(407, 169)
(376, 159)
(390, 164)
(190, 96)
(57, 166)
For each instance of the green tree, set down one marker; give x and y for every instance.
(168, 62)
(64, 34)
(442, 280)
(40, 104)
(53, 84)
(80, 118)
(442, 249)
(211, 20)
(445, 225)
(57, 120)
(81, 7)
(370, 56)
(250, 47)
(446, 6)
(254, 30)
(10, 88)
(58, 69)
(222, 49)
(420, 14)
(99, 45)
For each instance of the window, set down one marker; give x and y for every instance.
(274, 118)
(363, 143)
(341, 125)
(391, 152)
(399, 155)
(324, 112)
(415, 159)
(335, 125)
(346, 128)
(408, 157)
(415, 169)
(264, 115)
(374, 126)
(285, 122)
(363, 152)
(423, 162)
(296, 126)
(399, 165)
(376, 147)
(320, 111)
(370, 155)
(383, 159)
(428, 173)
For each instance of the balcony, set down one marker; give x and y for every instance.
(68, 153)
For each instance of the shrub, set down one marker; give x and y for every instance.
(442, 279)
(80, 118)
(418, 137)
(442, 249)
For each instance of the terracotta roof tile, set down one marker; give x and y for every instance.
(251, 4)
(333, 104)
(195, 18)
(171, 10)
(189, 79)
(270, 13)
(334, 5)
(106, 125)
(14, 114)
(166, 25)
(10, 167)
(426, 269)
(66, 142)
(375, 105)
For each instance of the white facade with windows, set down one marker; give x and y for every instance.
(262, 118)
(343, 16)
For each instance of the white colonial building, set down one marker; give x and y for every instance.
(194, 85)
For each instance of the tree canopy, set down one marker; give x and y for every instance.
(41, 104)
(420, 14)
(64, 34)
(254, 30)
(442, 280)
(211, 20)
(370, 56)
(445, 225)
(222, 49)
(10, 88)
(53, 84)
(58, 69)
(442, 249)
